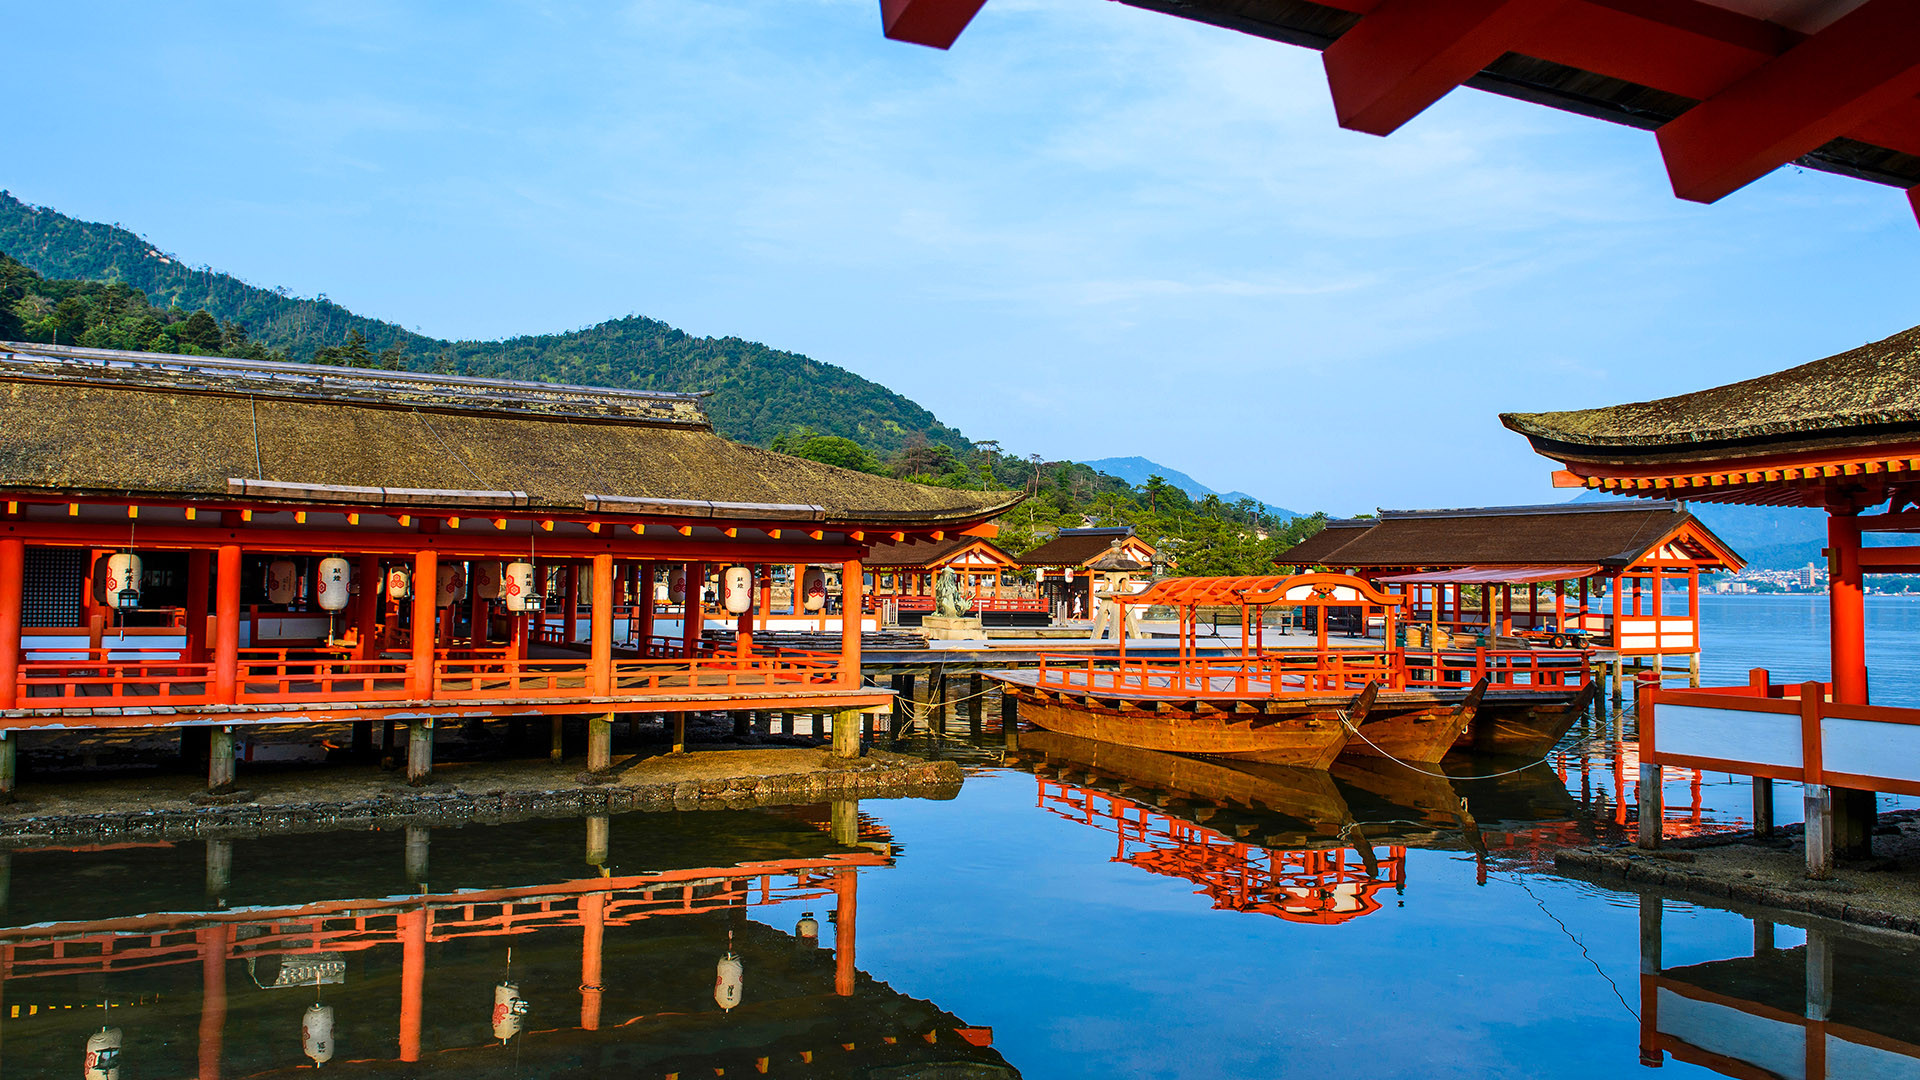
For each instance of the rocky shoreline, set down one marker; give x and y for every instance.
(668, 782)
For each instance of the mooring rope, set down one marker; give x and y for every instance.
(1355, 729)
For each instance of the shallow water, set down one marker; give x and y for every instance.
(1070, 914)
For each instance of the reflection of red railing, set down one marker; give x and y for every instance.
(1327, 886)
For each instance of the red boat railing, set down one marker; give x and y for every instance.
(1272, 675)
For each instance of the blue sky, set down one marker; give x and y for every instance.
(1086, 231)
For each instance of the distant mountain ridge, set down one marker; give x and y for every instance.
(1136, 470)
(757, 392)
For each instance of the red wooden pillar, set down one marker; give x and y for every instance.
(844, 913)
(593, 928)
(852, 590)
(426, 572)
(1659, 628)
(413, 980)
(13, 557)
(226, 625)
(693, 608)
(366, 606)
(476, 610)
(643, 634)
(570, 614)
(213, 997)
(600, 672)
(1847, 610)
(199, 570)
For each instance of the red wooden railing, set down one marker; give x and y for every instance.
(1338, 671)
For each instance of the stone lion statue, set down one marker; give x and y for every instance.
(947, 598)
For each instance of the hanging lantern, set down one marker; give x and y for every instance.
(103, 1055)
(331, 590)
(508, 1008)
(729, 978)
(677, 587)
(283, 581)
(813, 588)
(489, 583)
(449, 584)
(399, 583)
(739, 582)
(808, 929)
(117, 581)
(586, 583)
(316, 1033)
(517, 585)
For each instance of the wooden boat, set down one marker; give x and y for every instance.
(1289, 707)
(1524, 729)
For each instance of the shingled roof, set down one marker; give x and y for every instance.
(1869, 394)
(930, 553)
(1075, 547)
(97, 422)
(1609, 535)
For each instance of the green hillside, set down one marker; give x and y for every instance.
(758, 393)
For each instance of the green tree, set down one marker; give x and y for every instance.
(201, 331)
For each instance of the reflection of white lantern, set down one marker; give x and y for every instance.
(739, 582)
(808, 929)
(508, 1008)
(517, 584)
(488, 581)
(399, 583)
(677, 587)
(103, 1055)
(448, 585)
(283, 581)
(813, 588)
(121, 588)
(332, 585)
(729, 978)
(316, 1033)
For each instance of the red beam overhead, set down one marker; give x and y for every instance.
(1406, 54)
(927, 22)
(1864, 65)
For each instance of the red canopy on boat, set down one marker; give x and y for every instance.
(1492, 575)
(1195, 591)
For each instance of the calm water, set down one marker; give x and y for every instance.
(1068, 915)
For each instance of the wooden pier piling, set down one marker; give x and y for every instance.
(419, 751)
(220, 767)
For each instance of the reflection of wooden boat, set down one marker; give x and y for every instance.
(1302, 707)
(1382, 790)
(1306, 794)
(1524, 729)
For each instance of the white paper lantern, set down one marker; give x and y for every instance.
(399, 583)
(449, 585)
(316, 1033)
(120, 587)
(813, 589)
(517, 585)
(677, 587)
(331, 587)
(739, 585)
(283, 581)
(489, 581)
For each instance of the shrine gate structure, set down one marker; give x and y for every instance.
(1840, 434)
(191, 543)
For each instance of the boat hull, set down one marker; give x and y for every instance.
(1308, 739)
(1421, 735)
(1517, 730)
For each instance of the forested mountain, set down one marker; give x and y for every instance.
(759, 393)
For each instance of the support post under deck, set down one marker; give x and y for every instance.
(846, 733)
(600, 743)
(220, 768)
(420, 751)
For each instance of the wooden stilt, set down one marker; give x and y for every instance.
(9, 764)
(846, 733)
(362, 740)
(1693, 669)
(220, 769)
(556, 747)
(845, 816)
(1762, 806)
(937, 693)
(600, 743)
(1762, 936)
(679, 733)
(599, 830)
(420, 752)
(1819, 975)
(1619, 687)
(1819, 831)
(976, 705)
(1652, 807)
(1010, 719)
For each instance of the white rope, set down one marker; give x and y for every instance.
(1355, 729)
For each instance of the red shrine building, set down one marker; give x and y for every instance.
(191, 542)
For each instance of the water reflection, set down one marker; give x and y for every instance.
(631, 960)
(1837, 1005)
